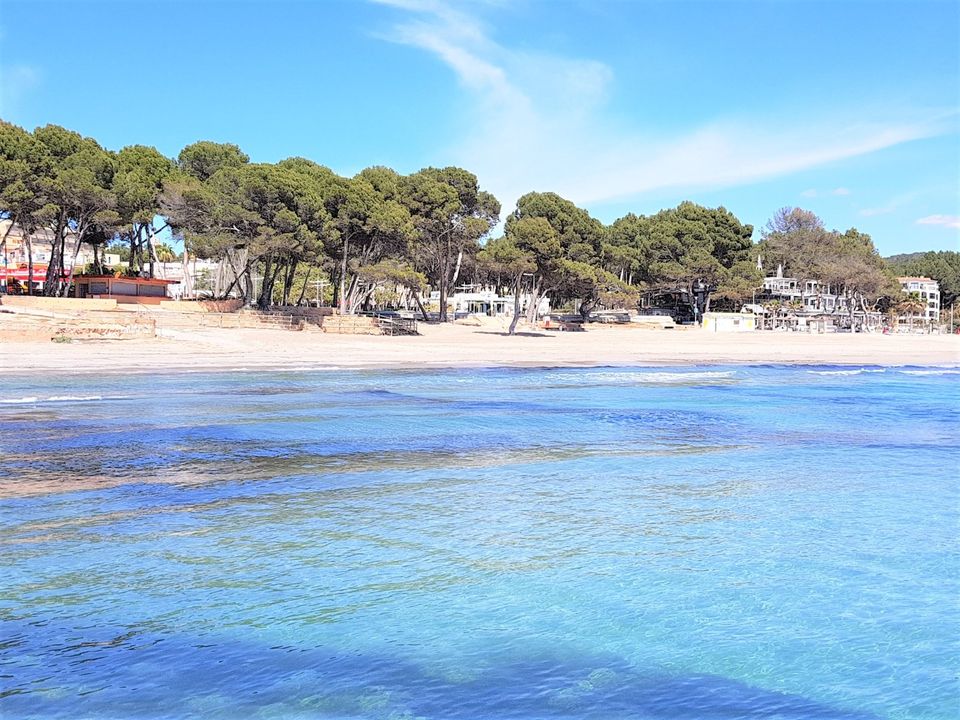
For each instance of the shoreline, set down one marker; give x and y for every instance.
(457, 346)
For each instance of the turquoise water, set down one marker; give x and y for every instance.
(713, 542)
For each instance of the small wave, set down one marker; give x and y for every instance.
(656, 378)
(858, 371)
(942, 371)
(60, 398)
(668, 377)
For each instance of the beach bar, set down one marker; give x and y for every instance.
(145, 291)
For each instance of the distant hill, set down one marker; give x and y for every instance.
(903, 258)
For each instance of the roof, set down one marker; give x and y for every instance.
(916, 279)
(125, 278)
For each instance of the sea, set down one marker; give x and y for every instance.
(611, 542)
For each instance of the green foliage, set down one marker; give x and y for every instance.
(203, 159)
(503, 259)
(449, 214)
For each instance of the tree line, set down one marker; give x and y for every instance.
(278, 225)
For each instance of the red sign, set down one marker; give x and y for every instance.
(22, 273)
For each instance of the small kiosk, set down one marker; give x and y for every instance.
(144, 291)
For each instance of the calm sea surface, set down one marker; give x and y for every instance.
(710, 542)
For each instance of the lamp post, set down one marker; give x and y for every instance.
(318, 285)
(700, 290)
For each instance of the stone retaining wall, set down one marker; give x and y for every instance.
(37, 302)
(85, 325)
(351, 325)
(202, 306)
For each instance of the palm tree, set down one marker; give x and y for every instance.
(165, 253)
(911, 306)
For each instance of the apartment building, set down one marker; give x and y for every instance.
(929, 292)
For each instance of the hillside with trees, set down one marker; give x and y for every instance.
(942, 266)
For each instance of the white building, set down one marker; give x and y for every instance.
(486, 302)
(813, 295)
(929, 292)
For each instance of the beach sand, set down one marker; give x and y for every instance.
(455, 345)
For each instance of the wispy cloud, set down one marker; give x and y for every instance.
(894, 203)
(951, 221)
(16, 81)
(813, 192)
(872, 212)
(538, 122)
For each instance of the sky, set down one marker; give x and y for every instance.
(850, 109)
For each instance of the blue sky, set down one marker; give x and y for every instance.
(848, 109)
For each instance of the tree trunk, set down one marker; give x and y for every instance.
(516, 306)
(288, 281)
(364, 301)
(534, 302)
(3, 249)
(29, 241)
(266, 287)
(423, 310)
(303, 290)
(247, 285)
(343, 274)
(152, 249)
(132, 260)
(456, 270)
(51, 283)
(354, 296)
(587, 306)
(73, 267)
(444, 278)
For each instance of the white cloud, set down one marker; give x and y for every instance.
(811, 193)
(537, 122)
(951, 221)
(840, 191)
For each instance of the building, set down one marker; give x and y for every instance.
(15, 258)
(472, 301)
(729, 322)
(813, 306)
(928, 290)
(809, 295)
(142, 291)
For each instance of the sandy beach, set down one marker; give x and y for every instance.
(462, 346)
